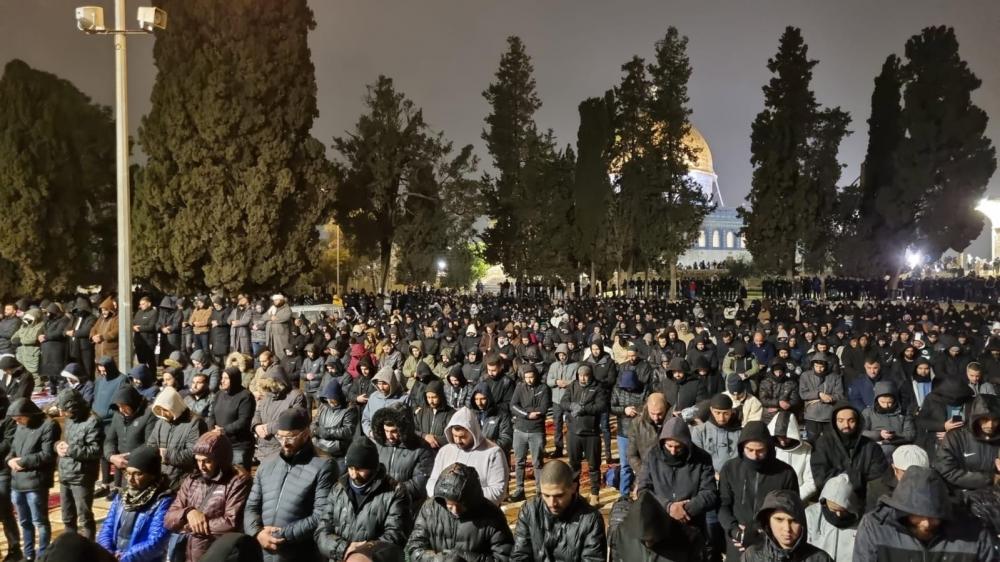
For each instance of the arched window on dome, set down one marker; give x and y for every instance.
(730, 239)
(701, 239)
(715, 238)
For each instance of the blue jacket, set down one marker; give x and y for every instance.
(149, 535)
(861, 393)
(105, 389)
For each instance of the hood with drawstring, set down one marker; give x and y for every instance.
(217, 447)
(333, 391)
(72, 401)
(488, 460)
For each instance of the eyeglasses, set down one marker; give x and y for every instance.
(289, 438)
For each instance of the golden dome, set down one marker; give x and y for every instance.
(695, 141)
(703, 155)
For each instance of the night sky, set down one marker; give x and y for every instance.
(443, 54)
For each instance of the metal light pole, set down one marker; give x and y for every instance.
(123, 195)
(90, 19)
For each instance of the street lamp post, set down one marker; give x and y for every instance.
(90, 19)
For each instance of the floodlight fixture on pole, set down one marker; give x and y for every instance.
(90, 20)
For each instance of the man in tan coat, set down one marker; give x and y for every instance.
(104, 334)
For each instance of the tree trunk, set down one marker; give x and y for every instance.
(386, 258)
(593, 279)
(673, 281)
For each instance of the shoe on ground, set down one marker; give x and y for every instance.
(14, 556)
(517, 496)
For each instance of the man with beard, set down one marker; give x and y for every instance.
(743, 484)
(169, 324)
(968, 458)
(78, 461)
(239, 321)
(585, 400)
(842, 449)
(407, 458)
(833, 522)
(15, 380)
(433, 418)
(459, 523)
(782, 521)
(210, 500)
(81, 349)
(9, 325)
(644, 432)
(200, 400)
(820, 389)
(134, 528)
(719, 438)
(918, 523)
(557, 525)
(467, 445)
(364, 506)
(680, 475)
(604, 371)
(559, 376)
(529, 406)
(144, 327)
(289, 494)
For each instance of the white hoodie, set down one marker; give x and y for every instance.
(484, 456)
(838, 543)
(797, 457)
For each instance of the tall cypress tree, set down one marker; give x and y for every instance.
(945, 156)
(518, 151)
(591, 186)
(879, 209)
(677, 206)
(779, 143)
(233, 190)
(57, 174)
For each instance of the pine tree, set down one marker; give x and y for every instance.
(57, 174)
(518, 151)
(677, 207)
(945, 156)
(878, 215)
(235, 186)
(399, 187)
(780, 206)
(591, 186)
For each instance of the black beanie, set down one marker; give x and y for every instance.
(146, 459)
(362, 454)
(721, 402)
(293, 419)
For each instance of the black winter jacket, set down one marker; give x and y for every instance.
(528, 399)
(290, 493)
(585, 404)
(690, 477)
(576, 535)
(481, 534)
(84, 435)
(333, 429)
(860, 458)
(408, 463)
(126, 434)
(967, 458)
(381, 515)
(744, 484)
(233, 412)
(768, 550)
(34, 444)
(621, 399)
(647, 520)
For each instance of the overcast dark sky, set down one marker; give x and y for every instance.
(442, 54)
